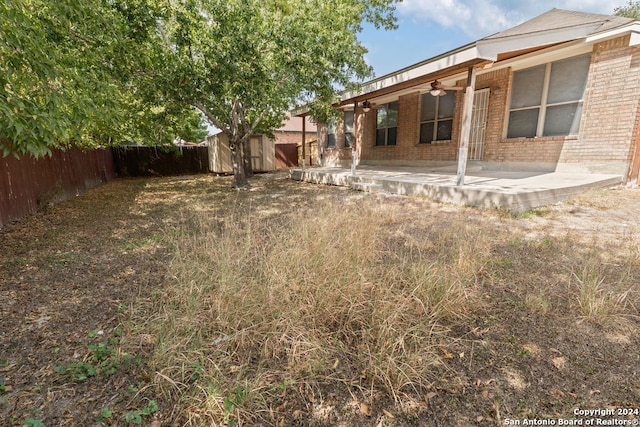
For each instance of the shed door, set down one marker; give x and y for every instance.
(478, 124)
(257, 155)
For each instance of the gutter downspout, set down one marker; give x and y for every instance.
(465, 133)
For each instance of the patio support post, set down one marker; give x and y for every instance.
(304, 142)
(465, 132)
(353, 141)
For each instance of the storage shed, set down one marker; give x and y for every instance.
(262, 154)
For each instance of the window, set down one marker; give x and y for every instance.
(387, 124)
(546, 100)
(331, 134)
(436, 117)
(348, 128)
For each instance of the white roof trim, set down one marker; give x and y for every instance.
(525, 41)
(633, 28)
(300, 110)
(433, 65)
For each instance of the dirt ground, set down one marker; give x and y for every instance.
(69, 274)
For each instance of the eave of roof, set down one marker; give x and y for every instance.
(446, 64)
(554, 26)
(551, 28)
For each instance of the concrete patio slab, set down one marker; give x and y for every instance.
(515, 191)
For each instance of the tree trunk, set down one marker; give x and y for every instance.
(248, 168)
(237, 158)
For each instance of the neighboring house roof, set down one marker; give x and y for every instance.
(294, 124)
(291, 124)
(553, 27)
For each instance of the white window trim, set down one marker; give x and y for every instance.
(543, 101)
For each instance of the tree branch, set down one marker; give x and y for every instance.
(209, 116)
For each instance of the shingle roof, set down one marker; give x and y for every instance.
(557, 19)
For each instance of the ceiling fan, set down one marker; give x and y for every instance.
(437, 89)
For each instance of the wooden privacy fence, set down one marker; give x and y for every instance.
(154, 161)
(27, 184)
(286, 156)
(311, 153)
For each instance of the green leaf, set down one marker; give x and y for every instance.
(32, 422)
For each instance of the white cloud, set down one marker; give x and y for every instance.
(479, 18)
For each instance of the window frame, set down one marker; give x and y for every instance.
(348, 134)
(386, 127)
(436, 119)
(544, 105)
(331, 134)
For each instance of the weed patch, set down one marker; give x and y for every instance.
(139, 415)
(598, 300)
(104, 359)
(321, 298)
(292, 304)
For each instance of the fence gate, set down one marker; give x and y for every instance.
(478, 124)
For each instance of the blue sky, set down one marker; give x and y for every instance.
(430, 27)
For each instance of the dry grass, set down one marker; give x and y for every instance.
(291, 304)
(598, 300)
(341, 305)
(537, 302)
(318, 297)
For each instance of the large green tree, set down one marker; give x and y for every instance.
(91, 72)
(66, 74)
(630, 10)
(243, 63)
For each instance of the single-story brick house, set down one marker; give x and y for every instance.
(560, 92)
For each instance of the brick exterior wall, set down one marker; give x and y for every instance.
(338, 155)
(609, 120)
(607, 140)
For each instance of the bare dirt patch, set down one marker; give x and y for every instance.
(71, 277)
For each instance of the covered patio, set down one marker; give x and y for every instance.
(514, 191)
(523, 118)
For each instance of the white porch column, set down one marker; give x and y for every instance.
(354, 140)
(465, 131)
